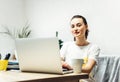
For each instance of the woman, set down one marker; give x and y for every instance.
(80, 47)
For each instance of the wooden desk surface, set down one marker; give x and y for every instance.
(16, 76)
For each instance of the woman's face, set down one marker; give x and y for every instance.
(78, 28)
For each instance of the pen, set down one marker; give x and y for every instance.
(7, 56)
(0, 56)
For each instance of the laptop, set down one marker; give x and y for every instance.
(39, 55)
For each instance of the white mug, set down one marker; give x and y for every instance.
(77, 65)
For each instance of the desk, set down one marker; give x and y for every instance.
(16, 76)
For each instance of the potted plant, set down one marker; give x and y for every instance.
(23, 32)
(60, 41)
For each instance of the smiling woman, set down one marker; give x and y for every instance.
(80, 48)
(77, 23)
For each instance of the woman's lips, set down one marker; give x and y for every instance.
(76, 32)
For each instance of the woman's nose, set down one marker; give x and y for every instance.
(75, 28)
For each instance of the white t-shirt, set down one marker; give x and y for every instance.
(70, 50)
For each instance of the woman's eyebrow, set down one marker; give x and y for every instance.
(78, 24)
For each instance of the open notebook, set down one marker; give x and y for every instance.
(39, 55)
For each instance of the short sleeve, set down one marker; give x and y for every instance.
(94, 53)
(63, 50)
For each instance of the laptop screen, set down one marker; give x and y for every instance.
(39, 55)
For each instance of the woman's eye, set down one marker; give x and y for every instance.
(72, 26)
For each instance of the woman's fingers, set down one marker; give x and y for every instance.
(65, 65)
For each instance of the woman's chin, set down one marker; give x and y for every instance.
(77, 35)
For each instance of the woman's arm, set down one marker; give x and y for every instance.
(85, 69)
(89, 66)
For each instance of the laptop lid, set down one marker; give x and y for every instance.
(39, 55)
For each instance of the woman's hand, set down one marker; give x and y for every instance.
(65, 65)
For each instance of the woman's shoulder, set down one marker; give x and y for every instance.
(94, 46)
(94, 50)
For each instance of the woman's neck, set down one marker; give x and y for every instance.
(81, 41)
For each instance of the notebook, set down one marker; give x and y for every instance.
(39, 55)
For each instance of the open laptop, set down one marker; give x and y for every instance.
(39, 55)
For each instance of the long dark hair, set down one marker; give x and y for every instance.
(85, 22)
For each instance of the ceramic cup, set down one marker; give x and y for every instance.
(77, 65)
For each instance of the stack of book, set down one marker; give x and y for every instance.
(13, 65)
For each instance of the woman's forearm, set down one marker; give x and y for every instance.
(89, 66)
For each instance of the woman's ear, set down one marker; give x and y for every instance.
(87, 27)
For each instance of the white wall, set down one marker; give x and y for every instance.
(48, 16)
(12, 14)
(103, 17)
